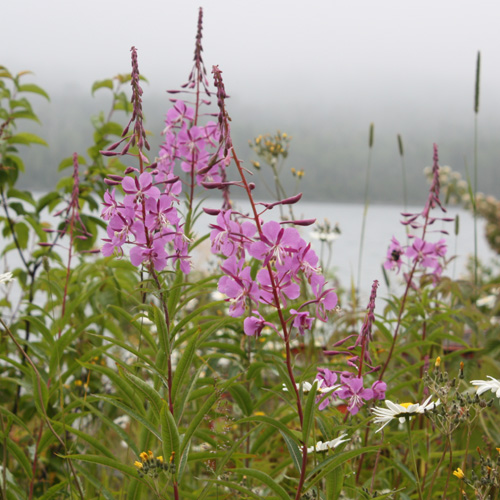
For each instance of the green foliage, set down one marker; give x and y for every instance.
(119, 382)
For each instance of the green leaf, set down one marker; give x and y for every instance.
(169, 433)
(54, 490)
(31, 87)
(126, 387)
(68, 162)
(236, 486)
(183, 462)
(20, 456)
(129, 411)
(309, 413)
(195, 422)
(323, 468)
(162, 329)
(263, 478)
(106, 461)
(94, 442)
(334, 483)
(102, 84)
(21, 195)
(39, 326)
(26, 138)
(22, 234)
(183, 366)
(295, 452)
(242, 398)
(270, 421)
(146, 389)
(111, 128)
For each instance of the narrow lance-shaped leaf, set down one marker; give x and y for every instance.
(169, 433)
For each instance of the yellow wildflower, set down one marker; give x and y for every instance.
(459, 473)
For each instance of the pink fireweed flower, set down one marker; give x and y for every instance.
(154, 255)
(328, 383)
(178, 114)
(181, 252)
(353, 390)
(160, 213)
(119, 228)
(276, 243)
(110, 205)
(394, 254)
(229, 237)
(253, 325)
(283, 284)
(301, 320)
(138, 189)
(238, 285)
(423, 252)
(326, 300)
(379, 389)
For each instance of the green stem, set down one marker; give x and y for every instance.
(412, 454)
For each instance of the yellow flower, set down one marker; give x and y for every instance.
(258, 413)
(459, 473)
(144, 456)
(138, 464)
(160, 459)
(438, 362)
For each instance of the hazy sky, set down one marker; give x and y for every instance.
(262, 46)
(397, 61)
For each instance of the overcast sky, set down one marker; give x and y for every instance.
(397, 61)
(262, 46)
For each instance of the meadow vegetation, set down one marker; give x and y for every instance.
(133, 365)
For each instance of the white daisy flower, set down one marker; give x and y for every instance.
(488, 301)
(307, 387)
(492, 385)
(400, 411)
(320, 446)
(5, 277)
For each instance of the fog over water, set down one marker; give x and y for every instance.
(323, 73)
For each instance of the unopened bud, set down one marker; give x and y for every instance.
(109, 182)
(438, 362)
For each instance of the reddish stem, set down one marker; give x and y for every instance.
(286, 334)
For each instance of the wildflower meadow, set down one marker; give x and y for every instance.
(147, 355)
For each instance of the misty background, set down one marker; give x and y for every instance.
(321, 73)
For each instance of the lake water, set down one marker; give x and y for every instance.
(382, 223)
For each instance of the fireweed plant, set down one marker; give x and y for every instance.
(131, 369)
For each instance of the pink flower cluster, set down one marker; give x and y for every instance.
(352, 390)
(426, 254)
(421, 253)
(352, 384)
(192, 145)
(284, 258)
(147, 217)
